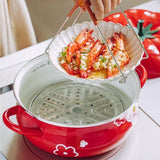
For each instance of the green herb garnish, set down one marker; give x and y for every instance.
(88, 49)
(63, 54)
(115, 66)
(83, 52)
(103, 59)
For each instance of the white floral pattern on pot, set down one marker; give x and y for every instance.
(62, 150)
(119, 121)
(130, 116)
(83, 143)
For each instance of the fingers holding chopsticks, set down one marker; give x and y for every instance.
(102, 7)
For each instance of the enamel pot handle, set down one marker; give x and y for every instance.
(142, 73)
(17, 128)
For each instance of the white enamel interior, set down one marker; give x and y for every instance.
(38, 74)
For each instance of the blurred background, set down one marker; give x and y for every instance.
(48, 15)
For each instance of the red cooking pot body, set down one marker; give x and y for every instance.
(72, 141)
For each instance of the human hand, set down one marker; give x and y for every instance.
(102, 7)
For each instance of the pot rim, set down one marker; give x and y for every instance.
(134, 103)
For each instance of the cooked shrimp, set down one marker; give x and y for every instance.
(78, 58)
(83, 37)
(94, 53)
(84, 50)
(105, 51)
(118, 41)
(71, 49)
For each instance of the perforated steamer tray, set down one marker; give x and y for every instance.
(77, 104)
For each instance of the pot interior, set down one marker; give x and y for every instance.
(46, 94)
(78, 104)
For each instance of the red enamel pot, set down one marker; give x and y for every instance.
(72, 119)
